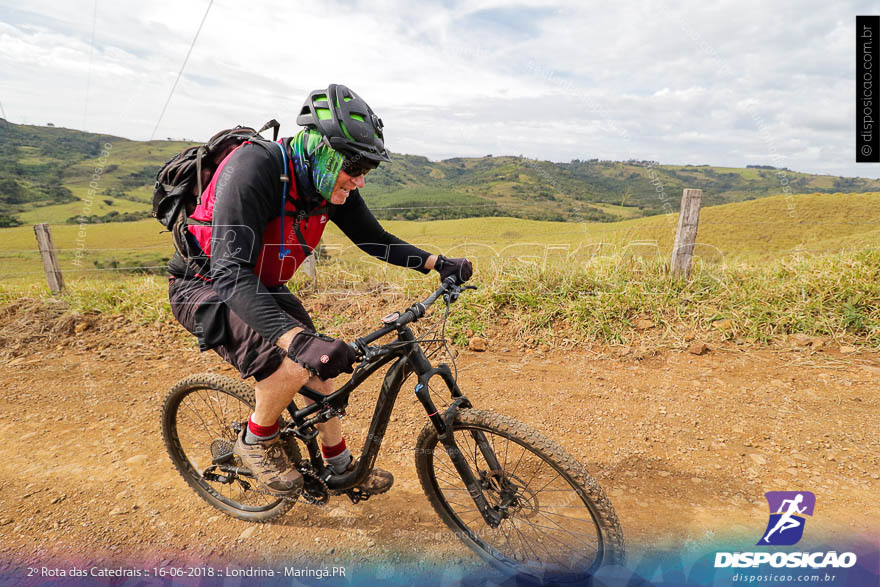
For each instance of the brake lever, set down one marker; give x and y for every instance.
(455, 291)
(365, 352)
(360, 351)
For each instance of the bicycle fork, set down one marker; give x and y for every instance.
(444, 424)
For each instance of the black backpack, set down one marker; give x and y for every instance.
(181, 180)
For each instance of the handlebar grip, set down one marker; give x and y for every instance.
(406, 317)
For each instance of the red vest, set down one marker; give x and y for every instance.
(271, 269)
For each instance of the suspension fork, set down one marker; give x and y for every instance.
(444, 425)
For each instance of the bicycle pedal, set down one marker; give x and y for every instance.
(221, 451)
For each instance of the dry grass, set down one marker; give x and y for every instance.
(834, 295)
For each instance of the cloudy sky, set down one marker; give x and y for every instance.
(724, 82)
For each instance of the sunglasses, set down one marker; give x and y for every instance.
(357, 167)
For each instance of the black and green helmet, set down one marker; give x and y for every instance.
(346, 122)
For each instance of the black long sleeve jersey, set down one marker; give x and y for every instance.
(247, 198)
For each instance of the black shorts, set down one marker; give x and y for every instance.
(199, 310)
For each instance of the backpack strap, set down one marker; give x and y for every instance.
(300, 214)
(285, 182)
(199, 154)
(274, 125)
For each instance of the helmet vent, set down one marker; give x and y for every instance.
(345, 121)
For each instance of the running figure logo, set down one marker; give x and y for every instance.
(787, 511)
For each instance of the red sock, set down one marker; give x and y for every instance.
(331, 451)
(262, 431)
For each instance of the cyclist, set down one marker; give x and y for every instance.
(254, 236)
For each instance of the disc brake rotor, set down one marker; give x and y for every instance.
(524, 502)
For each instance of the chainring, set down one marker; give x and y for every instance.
(315, 491)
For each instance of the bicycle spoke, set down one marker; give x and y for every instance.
(222, 425)
(564, 549)
(197, 433)
(192, 428)
(450, 471)
(512, 473)
(469, 507)
(568, 517)
(468, 451)
(535, 474)
(533, 525)
(546, 484)
(506, 534)
(544, 546)
(198, 415)
(524, 541)
(208, 413)
(518, 551)
(552, 521)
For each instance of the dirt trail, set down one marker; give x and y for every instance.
(684, 445)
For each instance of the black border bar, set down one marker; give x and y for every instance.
(867, 88)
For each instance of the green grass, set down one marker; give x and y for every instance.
(830, 295)
(759, 230)
(836, 295)
(60, 213)
(816, 272)
(622, 212)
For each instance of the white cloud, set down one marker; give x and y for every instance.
(677, 82)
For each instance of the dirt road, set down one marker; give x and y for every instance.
(684, 445)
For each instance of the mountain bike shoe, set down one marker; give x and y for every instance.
(269, 464)
(378, 481)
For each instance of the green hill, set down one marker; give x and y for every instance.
(45, 173)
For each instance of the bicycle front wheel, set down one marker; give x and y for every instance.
(557, 524)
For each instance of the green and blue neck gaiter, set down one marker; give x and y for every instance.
(310, 153)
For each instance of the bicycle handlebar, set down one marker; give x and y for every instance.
(418, 309)
(413, 313)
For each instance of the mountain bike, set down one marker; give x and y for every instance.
(515, 497)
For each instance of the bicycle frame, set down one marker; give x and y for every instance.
(409, 359)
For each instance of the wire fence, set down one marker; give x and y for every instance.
(795, 220)
(549, 254)
(461, 241)
(583, 231)
(587, 231)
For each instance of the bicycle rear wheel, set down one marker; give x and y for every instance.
(559, 525)
(201, 413)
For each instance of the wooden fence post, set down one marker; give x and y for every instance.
(686, 235)
(310, 267)
(50, 261)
